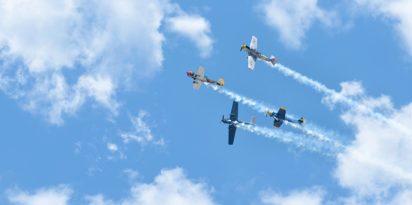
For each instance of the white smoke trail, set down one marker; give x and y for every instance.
(359, 106)
(303, 79)
(313, 130)
(298, 140)
(258, 106)
(316, 132)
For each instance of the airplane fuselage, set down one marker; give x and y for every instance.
(256, 54)
(204, 79)
(192, 75)
(230, 122)
(280, 116)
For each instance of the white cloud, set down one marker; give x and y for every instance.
(56, 35)
(56, 56)
(131, 174)
(169, 187)
(42, 33)
(112, 147)
(293, 18)
(349, 89)
(404, 197)
(375, 166)
(141, 131)
(398, 11)
(53, 97)
(313, 196)
(378, 159)
(196, 28)
(59, 195)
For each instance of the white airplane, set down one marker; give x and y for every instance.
(253, 54)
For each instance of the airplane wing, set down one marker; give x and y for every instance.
(281, 113)
(232, 132)
(234, 112)
(200, 72)
(196, 84)
(280, 116)
(277, 123)
(253, 43)
(251, 62)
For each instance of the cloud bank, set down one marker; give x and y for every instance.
(57, 56)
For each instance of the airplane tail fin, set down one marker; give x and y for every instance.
(273, 60)
(253, 120)
(223, 118)
(221, 82)
(301, 120)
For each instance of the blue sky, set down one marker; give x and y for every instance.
(97, 109)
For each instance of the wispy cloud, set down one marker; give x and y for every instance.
(312, 196)
(53, 97)
(59, 195)
(293, 18)
(112, 147)
(172, 185)
(141, 131)
(398, 11)
(194, 27)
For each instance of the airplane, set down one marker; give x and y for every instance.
(234, 122)
(253, 54)
(199, 78)
(280, 116)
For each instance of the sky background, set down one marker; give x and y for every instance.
(96, 107)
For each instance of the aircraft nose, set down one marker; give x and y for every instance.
(189, 73)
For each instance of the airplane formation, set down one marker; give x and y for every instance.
(278, 117)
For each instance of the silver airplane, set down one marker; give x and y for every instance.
(234, 122)
(199, 78)
(253, 54)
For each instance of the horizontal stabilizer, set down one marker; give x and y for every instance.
(221, 82)
(253, 121)
(273, 60)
